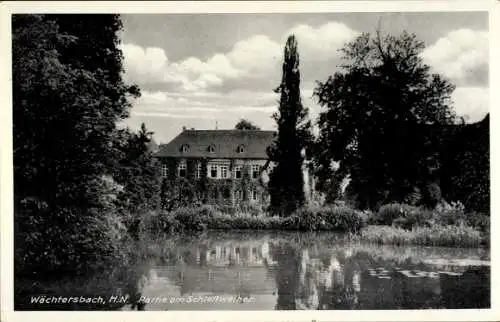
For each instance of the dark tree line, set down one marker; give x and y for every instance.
(465, 170)
(73, 176)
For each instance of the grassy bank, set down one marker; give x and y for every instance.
(450, 225)
(394, 224)
(447, 236)
(342, 219)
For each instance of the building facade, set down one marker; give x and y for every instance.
(227, 167)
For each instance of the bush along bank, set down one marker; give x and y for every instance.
(445, 236)
(397, 224)
(342, 219)
(446, 225)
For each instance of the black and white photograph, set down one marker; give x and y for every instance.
(250, 161)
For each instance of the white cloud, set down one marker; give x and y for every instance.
(255, 55)
(471, 102)
(459, 55)
(140, 63)
(323, 42)
(250, 62)
(187, 104)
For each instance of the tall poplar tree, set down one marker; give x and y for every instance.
(286, 182)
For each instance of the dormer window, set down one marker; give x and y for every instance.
(240, 149)
(211, 148)
(184, 148)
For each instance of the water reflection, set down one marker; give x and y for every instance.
(222, 271)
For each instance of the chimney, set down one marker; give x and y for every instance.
(183, 128)
(192, 129)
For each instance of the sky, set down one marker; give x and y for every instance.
(209, 70)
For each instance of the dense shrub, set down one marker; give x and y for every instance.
(344, 218)
(165, 221)
(388, 213)
(479, 221)
(307, 218)
(325, 218)
(67, 240)
(244, 208)
(414, 218)
(432, 195)
(453, 236)
(221, 221)
(192, 218)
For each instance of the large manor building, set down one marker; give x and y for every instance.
(225, 166)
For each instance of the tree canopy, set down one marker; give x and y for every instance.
(384, 111)
(68, 96)
(65, 112)
(246, 125)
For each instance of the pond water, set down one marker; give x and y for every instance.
(292, 271)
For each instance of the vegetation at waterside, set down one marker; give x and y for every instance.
(341, 219)
(398, 224)
(449, 236)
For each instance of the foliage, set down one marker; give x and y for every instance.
(451, 236)
(176, 193)
(480, 221)
(68, 96)
(246, 125)
(328, 218)
(138, 171)
(387, 213)
(465, 173)
(241, 208)
(409, 217)
(432, 195)
(416, 218)
(67, 240)
(286, 181)
(383, 117)
(304, 219)
(64, 115)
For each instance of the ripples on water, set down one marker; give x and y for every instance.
(292, 271)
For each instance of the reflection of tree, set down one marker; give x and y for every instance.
(287, 274)
(321, 282)
(341, 291)
(307, 296)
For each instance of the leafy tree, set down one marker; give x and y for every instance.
(64, 114)
(286, 181)
(96, 50)
(384, 112)
(465, 173)
(246, 125)
(64, 124)
(139, 175)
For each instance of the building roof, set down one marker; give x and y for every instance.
(225, 144)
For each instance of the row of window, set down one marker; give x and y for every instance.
(220, 171)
